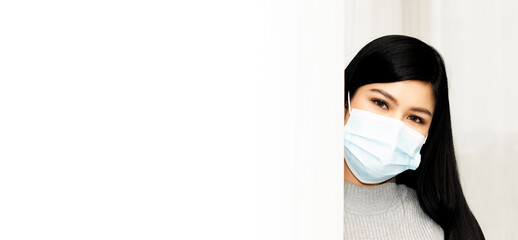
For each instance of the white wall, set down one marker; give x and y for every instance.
(302, 114)
(184, 120)
(477, 40)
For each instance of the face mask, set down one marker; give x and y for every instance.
(378, 148)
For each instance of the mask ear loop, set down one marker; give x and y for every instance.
(349, 101)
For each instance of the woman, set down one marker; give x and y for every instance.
(401, 179)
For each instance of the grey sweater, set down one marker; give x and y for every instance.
(386, 211)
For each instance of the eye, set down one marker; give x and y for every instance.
(416, 119)
(380, 103)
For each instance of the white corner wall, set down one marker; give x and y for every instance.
(303, 117)
(171, 120)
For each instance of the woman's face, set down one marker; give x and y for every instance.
(411, 101)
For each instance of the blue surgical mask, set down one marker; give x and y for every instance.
(378, 148)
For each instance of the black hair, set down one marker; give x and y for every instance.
(436, 181)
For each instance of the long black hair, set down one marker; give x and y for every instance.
(436, 181)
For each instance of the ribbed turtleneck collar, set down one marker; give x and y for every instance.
(372, 200)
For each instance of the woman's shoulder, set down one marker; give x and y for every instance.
(416, 214)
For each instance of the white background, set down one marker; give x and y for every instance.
(159, 120)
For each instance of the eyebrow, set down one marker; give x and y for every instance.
(393, 99)
(386, 94)
(421, 110)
